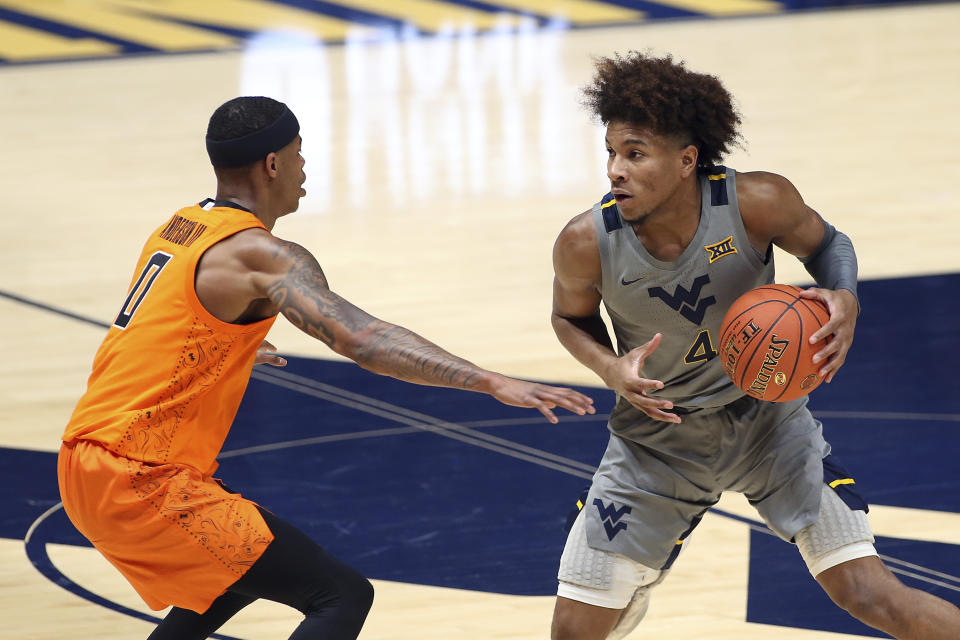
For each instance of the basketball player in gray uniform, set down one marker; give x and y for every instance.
(666, 252)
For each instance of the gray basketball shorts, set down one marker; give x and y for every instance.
(657, 480)
(601, 578)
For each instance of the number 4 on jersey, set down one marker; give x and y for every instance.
(702, 349)
(139, 290)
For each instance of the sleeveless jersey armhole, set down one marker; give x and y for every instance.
(752, 254)
(193, 300)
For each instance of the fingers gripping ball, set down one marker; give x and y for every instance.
(765, 342)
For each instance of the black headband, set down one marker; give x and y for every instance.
(240, 152)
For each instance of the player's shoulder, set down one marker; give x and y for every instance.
(579, 228)
(253, 249)
(576, 252)
(769, 205)
(578, 235)
(764, 189)
(249, 242)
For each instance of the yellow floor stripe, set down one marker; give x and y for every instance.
(430, 15)
(580, 12)
(23, 44)
(724, 7)
(249, 15)
(104, 16)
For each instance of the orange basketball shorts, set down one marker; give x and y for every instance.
(179, 538)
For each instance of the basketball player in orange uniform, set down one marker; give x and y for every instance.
(136, 464)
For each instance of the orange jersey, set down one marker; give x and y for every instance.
(169, 376)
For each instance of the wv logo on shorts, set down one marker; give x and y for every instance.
(610, 516)
(688, 303)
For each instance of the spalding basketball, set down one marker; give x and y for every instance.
(765, 342)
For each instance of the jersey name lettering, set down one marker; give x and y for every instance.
(182, 231)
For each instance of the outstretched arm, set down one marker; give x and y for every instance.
(294, 282)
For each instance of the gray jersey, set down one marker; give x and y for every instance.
(656, 478)
(685, 300)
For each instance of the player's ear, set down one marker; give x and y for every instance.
(688, 160)
(270, 164)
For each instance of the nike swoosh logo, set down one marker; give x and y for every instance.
(626, 282)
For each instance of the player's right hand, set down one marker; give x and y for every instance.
(624, 377)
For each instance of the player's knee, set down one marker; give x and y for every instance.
(364, 596)
(870, 601)
(862, 604)
(357, 597)
(352, 599)
(350, 609)
(879, 609)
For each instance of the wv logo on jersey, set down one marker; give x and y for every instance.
(688, 303)
(610, 516)
(723, 248)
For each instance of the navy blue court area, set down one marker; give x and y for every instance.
(440, 487)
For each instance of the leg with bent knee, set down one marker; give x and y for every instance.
(601, 595)
(868, 591)
(575, 620)
(838, 549)
(294, 570)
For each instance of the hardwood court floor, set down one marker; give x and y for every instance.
(439, 173)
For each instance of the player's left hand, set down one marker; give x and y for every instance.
(843, 308)
(264, 356)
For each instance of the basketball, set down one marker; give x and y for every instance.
(765, 342)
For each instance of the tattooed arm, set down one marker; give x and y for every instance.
(302, 295)
(289, 277)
